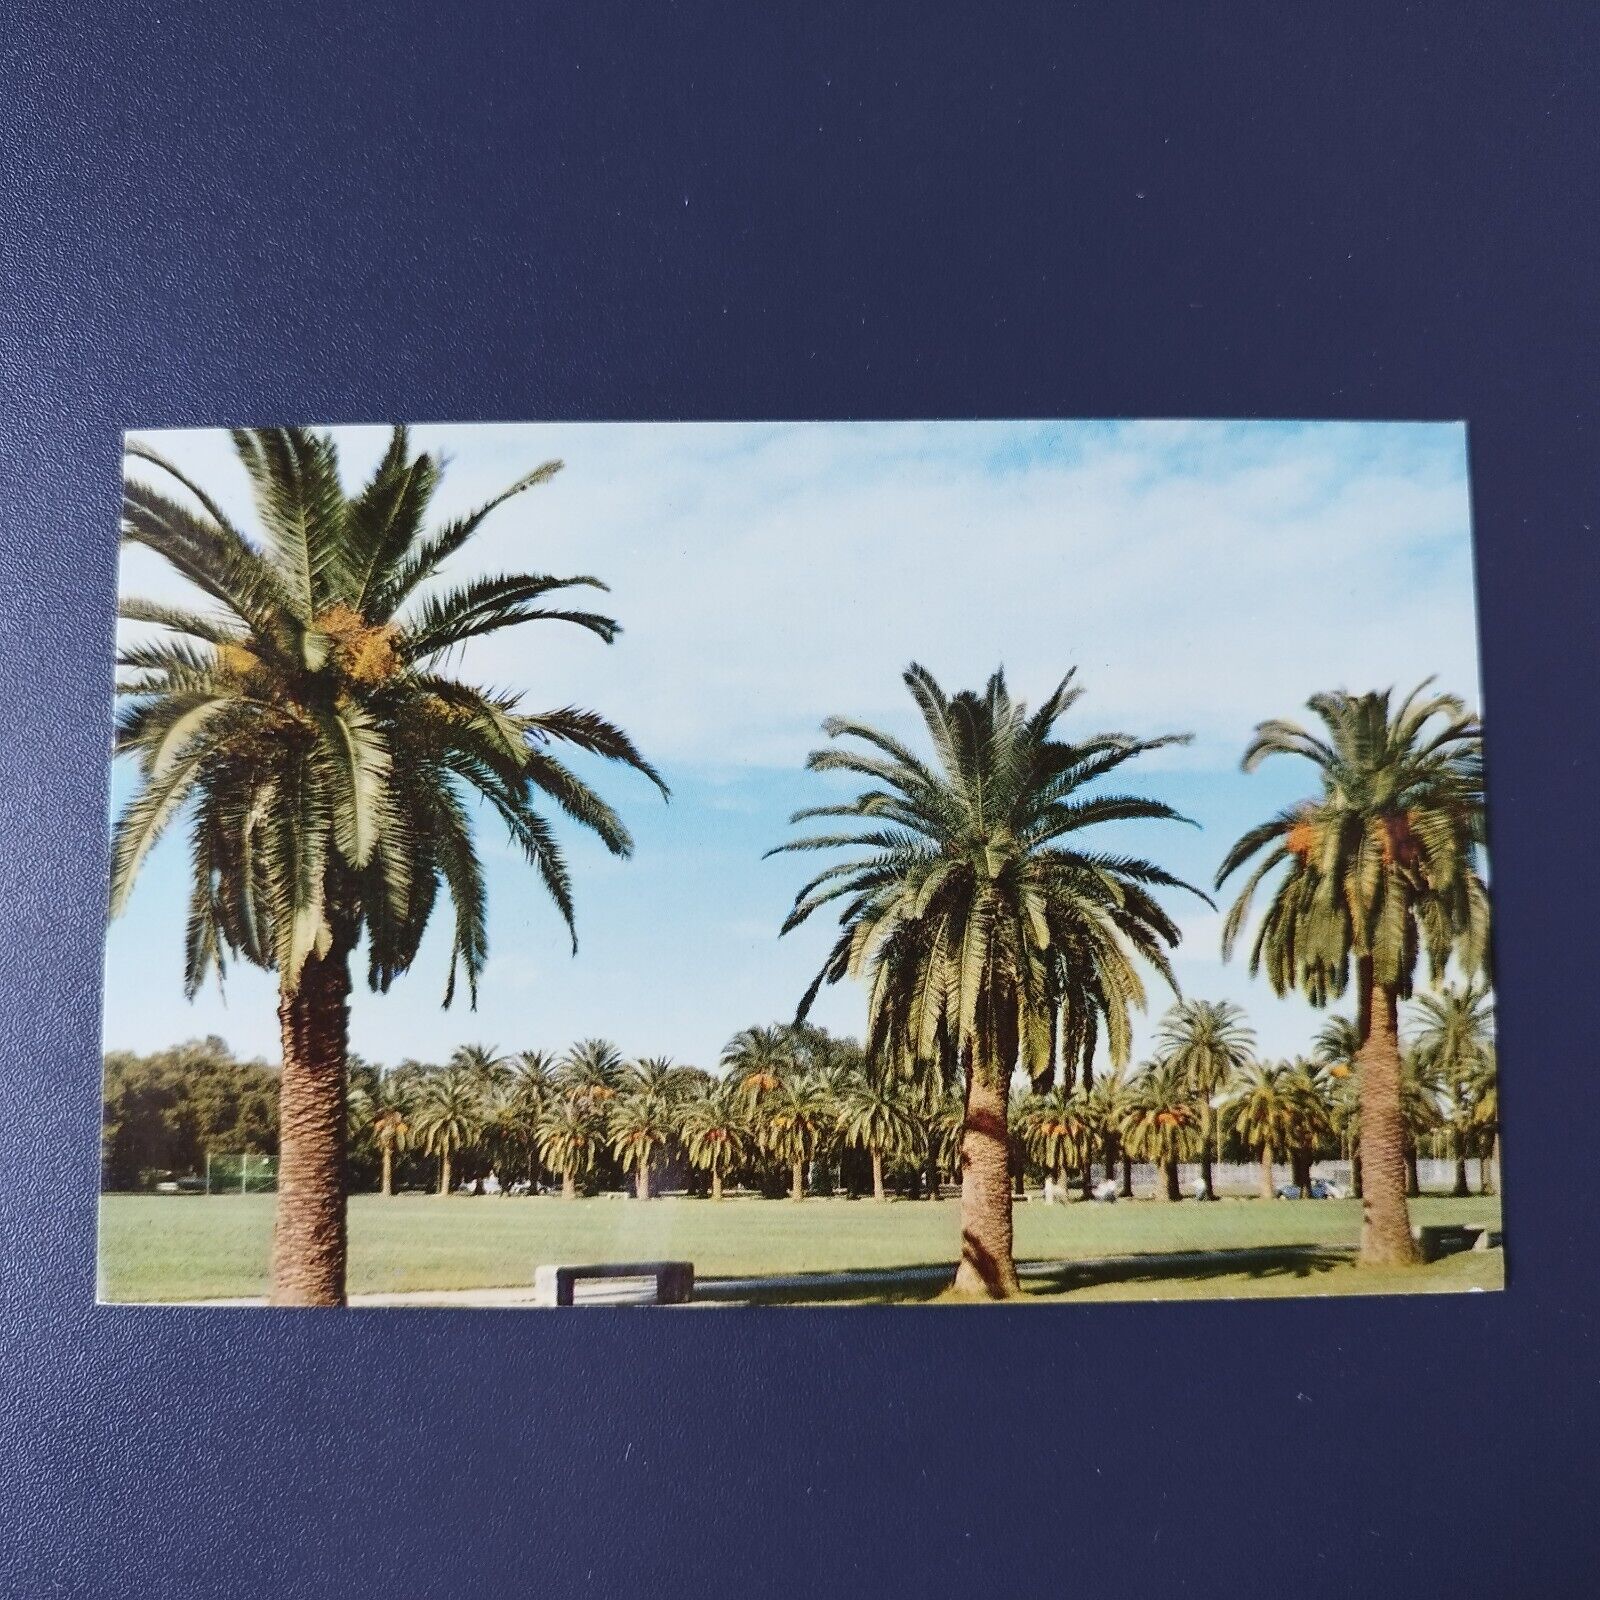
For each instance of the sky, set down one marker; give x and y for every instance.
(1200, 576)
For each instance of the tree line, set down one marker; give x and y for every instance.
(795, 1110)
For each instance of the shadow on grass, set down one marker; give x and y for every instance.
(921, 1284)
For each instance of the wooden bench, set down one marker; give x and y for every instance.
(1443, 1239)
(673, 1280)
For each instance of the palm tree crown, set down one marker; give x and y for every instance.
(1382, 864)
(309, 722)
(971, 907)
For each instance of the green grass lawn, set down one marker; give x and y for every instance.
(171, 1247)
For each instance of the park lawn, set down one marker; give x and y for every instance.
(189, 1247)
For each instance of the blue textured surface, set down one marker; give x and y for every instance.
(304, 213)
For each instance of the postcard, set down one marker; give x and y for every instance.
(798, 864)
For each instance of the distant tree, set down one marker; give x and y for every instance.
(875, 1115)
(447, 1117)
(1160, 1122)
(570, 1135)
(793, 1122)
(591, 1070)
(639, 1122)
(716, 1130)
(1452, 1029)
(1206, 1042)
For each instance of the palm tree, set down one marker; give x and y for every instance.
(1108, 1105)
(309, 727)
(387, 1117)
(875, 1115)
(1486, 1119)
(979, 921)
(1059, 1129)
(1161, 1123)
(485, 1068)
(592, 1071)
(1379, 868)
(638, 1124)
(1207, 1042)
(715, 1130)
(448, 1117)
(660, 1076)
(757, 1059)
(793, 1122)
(1274, 1108)
(1452, 1030)
(570, 1131)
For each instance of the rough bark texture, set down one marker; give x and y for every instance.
(797, 1184)
(1267, 1190)
(877, 1176)
(716, 1184)
(1385, 1222)
(987, 1268)
(309, 1240)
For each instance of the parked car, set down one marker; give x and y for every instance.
(1321, 1189)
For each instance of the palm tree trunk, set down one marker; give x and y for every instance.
(1385, 1222)
(1357, 1180)
(1167, 1188)
(309, 1241)
(643, 1187)
(1267, 1191)
(444, 1171)
(716, 1184)
(1086, 1183)
(1127, 1177)
(388, 1171)
(569, 1185)
(797, 1185)
(877, 1176)
(1413, 1180)
(1460, 1189)
(987, 1269)
(1495, 1185)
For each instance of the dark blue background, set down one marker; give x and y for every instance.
(327, 213)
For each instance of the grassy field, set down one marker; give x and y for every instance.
(160, 1247)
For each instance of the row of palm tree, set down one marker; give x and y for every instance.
(1207, 1086)
(329, 763)
(786, 1095)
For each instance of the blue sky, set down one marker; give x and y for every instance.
(1200, 576)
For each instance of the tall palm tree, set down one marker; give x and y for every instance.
(1060, 1129)
(1161, 1123)
(388, 1118)
(660, 1076)
(639, 1123)
(1206, 1042)
(875, 1115)
(308, 725)
(591, 1070)
(793, 1122)
(485, 1068)
(715, 1130)
(1451, 1030)
(447, 1118)
(979, 914)
(1377, 869)
(1108, 1104)
(757, 1059)
(570, 1131)
(1265, 1110)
